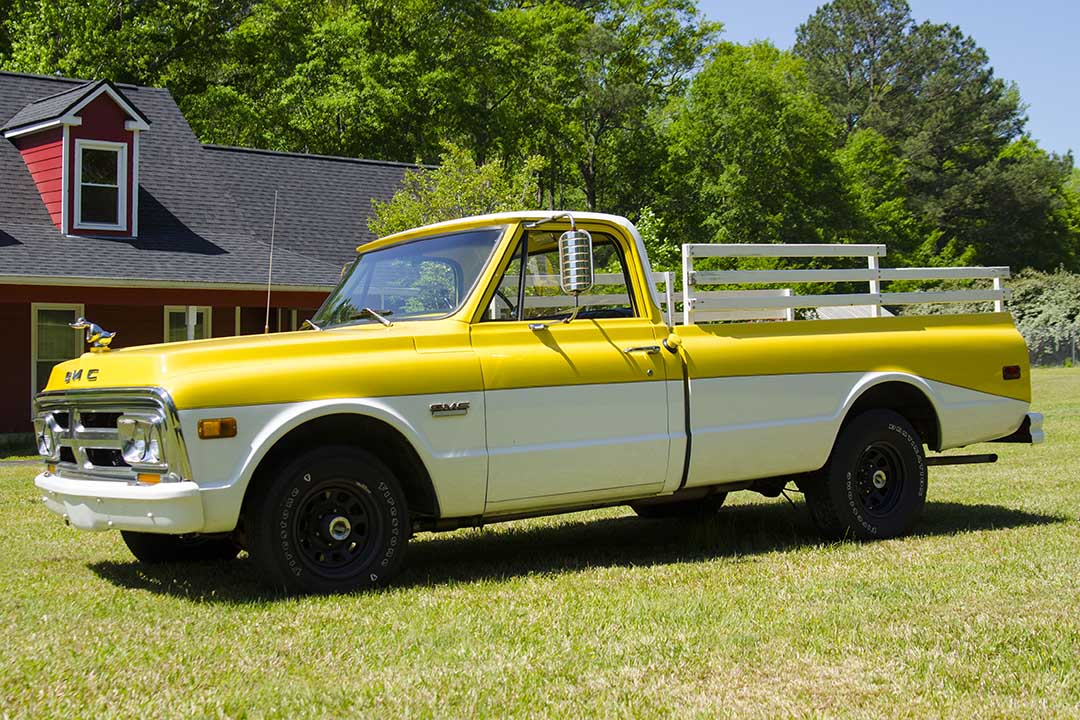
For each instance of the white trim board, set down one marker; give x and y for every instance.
(121, 149)
(189, 311)
(62, 281)
(80, 311)
(66, 121)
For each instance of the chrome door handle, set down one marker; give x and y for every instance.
(647, 349)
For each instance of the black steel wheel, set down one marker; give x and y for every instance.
(874, 485)
(153, 548)
(333, 520)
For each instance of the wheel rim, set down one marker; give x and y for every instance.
(336, 526)
(881, 479)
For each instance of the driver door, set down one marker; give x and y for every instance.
(576, 411)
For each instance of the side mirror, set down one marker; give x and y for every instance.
(575, 262)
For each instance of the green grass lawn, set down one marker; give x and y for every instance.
(594, 614)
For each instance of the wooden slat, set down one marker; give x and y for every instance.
(736, 315)
(731, 277)
(778, 250)
(567, 301)
(706, 301)
(944, 296)
(957, 273)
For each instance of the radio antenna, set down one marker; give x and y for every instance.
(270, 272)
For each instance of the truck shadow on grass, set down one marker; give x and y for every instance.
(501, 552)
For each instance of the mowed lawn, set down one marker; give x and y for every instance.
(593, 614)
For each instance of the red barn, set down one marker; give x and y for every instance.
(110, 208)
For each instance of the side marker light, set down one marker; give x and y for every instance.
(217, 428)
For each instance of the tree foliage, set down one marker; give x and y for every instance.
(969, 178)
(1047, 311)
(752, 153)
(875, 128)
(458, 187)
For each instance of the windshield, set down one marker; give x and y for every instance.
(421, 279)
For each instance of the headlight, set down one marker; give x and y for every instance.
(46, 431)
(140, 440)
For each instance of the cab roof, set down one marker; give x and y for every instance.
(503, 218)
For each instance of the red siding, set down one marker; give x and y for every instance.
(140, 325)
(43, 154)
(223, 321)
(15, 368)
(136, 314)
(102, 119)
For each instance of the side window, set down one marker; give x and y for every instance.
(544, 298)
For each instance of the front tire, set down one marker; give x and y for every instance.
(874, 485)
(155, 548)
(334, 520)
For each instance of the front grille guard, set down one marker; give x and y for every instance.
(84, 442)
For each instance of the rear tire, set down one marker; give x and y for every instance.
(154, 548)
(334, 520)
(874, 485)
(700, 508)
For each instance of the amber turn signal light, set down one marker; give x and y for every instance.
(1010, 372)
(217, 428)
(149, 478)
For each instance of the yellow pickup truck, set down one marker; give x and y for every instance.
(521, 364)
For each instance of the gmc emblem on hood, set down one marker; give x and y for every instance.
(71, 375)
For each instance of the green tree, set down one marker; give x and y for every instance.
(456, 188)
(153, 42)
(874, 175)
(971, 181)
(752, 154)
(636, 56)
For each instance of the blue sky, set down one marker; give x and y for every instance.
(1035, 44)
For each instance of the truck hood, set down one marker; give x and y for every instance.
(355, 361)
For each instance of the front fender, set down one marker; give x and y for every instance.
(452, 449)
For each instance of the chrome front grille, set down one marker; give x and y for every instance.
(88, 439)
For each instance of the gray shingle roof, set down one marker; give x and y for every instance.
(58, 104)
(204, 211)
(324, 203)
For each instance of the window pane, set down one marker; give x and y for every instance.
(100, 166)
(99, 205)
(424, 278)
(178, 325)
(56, 342)
(544, 297)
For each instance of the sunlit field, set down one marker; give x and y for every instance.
(594, 614)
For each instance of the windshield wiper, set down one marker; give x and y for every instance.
(311, 325)
(366, 312)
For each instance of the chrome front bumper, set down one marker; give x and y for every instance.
(172, 508)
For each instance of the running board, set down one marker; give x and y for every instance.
(961, 459)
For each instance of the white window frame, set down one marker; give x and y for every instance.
(207, 311)
(80, 311)
(121, 178)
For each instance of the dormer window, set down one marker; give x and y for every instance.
(81, 147)
(101, 189)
